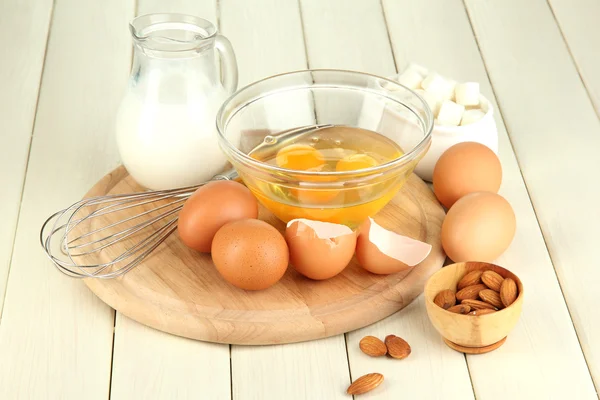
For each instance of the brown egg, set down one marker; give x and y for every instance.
(478, 227)
(466, 168)
(385, 252)
(319, 257)
(250, 254)
(212, 206)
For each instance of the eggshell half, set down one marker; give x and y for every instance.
(385, 252)
(319, 250)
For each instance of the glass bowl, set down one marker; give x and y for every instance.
(258, 119)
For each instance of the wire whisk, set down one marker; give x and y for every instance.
(86, 240)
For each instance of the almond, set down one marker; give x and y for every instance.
(508, 292)
(372, 346)
(491, 297)
(483, 311)
(477, 304)
(365, 383)
(472, 278)
(445, 299)
(470, 292)
(492, 279)
(460, 309)
(397, 347)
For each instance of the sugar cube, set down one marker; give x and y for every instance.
(417, 68)
(470, 116)
(434, 83)
(410, 78)
(450, 113)
(467, 93)
(448, 91)
(434, 102)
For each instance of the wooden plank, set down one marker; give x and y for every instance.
(206, 9)
(556, 134)
(308, 370)
(149, 364)
(329, 28)
(347, 37)
(23, 35)
(446, 44)
(432, 371)
(578, 21)
(267, 38)
(56, 337)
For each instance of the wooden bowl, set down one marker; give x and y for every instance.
(471, 333)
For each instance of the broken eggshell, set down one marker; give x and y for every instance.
(384, 252)
(319, 250)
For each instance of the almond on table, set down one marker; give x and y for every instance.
(372, 346)
(365, 383)
(397, 347)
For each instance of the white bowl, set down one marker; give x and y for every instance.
(443, 137)
(484, 131)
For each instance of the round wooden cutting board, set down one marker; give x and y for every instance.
(178, 290)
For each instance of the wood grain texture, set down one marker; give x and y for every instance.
(308, 370)
(469, 330)
(347, 37)
(355, 37)
(475, 350)
(444, 42)
(23, 36)
(206, 9)
(56, 336)
(549, 117)
(178, 290)
(432, 371)
(267, 37)
(149, 364)
(578, 21)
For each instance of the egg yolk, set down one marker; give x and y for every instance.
(355, 162)
(300, 157)
(303, 157)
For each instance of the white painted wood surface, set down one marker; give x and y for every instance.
(578, 21)
(148, 364)
(556, 136)
(23, 34)
(55, 335)
(206, 9)
(271, 42)
(56, 339)
(330, 28)
(453, 51)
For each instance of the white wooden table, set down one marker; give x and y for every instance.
(63, 68)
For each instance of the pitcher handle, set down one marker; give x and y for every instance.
(230, 71)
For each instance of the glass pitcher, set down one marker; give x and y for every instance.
(165, 128)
